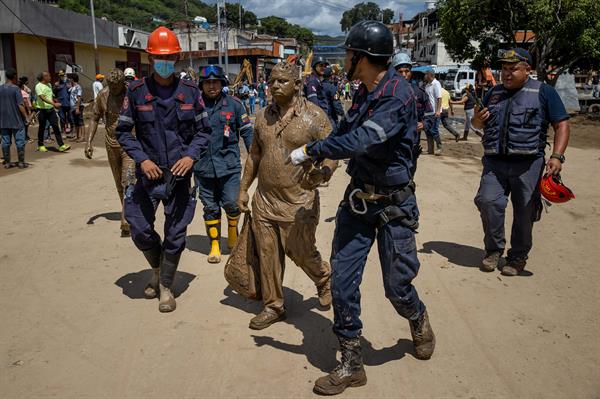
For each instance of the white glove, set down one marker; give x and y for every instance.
(299, 156)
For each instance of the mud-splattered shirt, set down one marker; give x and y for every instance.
(109, 107)
(279, 196)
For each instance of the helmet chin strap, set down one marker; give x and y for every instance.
(355, 59)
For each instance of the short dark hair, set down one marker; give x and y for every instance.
(379, 61)
(75, 77)
(11, 73)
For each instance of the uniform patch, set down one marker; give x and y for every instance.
(148, 97)
(245, 118)
(181, 97)
(144, 108)
(187, 107)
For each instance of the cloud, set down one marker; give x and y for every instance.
(323, 16)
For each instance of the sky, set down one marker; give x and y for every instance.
(323, 16)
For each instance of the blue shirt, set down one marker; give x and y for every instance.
(10, 99)
(75, 92)
(62, 93)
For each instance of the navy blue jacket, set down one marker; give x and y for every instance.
(313, 91)
(62, 93)
(378, 134)
(334, 106)
(165, 130)
(228, 120)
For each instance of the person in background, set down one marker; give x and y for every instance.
(47, 107)
(61, 92)
(262, 94)
(448, 111)
(595, 82)
(433, 88)
(347, 91)
(26, 94)
(468, 99)
(244, 94)
(129, 75)
(97, 86)
(76, 98)
(252, 99)
(12, 115)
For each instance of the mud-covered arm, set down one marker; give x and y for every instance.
(389, 118)
(124, 134)
(98, 111)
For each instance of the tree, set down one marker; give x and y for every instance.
(364, 12)
(566, 32)
(279, 27)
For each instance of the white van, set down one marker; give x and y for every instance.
(457, 79)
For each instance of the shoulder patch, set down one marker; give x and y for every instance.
(189, 83)
(136, 84)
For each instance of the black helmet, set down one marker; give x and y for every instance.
(328, 72)
(370, 37)
(318, 60)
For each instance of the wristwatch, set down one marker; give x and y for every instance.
(558, 156)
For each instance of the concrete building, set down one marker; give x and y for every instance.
(37, 37)
(428, 47)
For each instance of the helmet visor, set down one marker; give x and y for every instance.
(214, 70)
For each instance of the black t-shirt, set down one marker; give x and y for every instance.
(595, 80)
(470, 104)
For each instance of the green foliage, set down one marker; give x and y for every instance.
(363, 12)
(567, 32)
(279, 27)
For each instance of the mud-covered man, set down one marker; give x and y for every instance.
(108, 105)
(285, 207)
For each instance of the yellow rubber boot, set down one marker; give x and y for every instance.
(232, 230)
(213, 229)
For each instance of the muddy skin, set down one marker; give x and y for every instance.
(285, 206)
(108, 104)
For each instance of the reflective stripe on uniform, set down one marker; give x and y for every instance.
(201, 116)
(126, 119)
(377, 128)
(311, 95)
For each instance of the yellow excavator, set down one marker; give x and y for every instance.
(246, 72)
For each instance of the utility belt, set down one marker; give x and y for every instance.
(359, 198)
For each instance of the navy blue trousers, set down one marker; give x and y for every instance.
(219, 192)
(140, 211)
(519, 179)
(352, 241)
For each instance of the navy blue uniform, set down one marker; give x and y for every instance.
(313, 91)
(514, 140)
(334, 106)
(62, 95)
(218, 171)
(379, 135)
(170, 123)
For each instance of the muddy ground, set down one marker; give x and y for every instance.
(75, 324)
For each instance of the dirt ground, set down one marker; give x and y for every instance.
(75, 324)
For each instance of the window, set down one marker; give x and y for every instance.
(432, 51)
(471, 75)
(462, 76)
(216, 45)
(201, 45)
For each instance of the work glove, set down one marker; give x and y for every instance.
(299, 156)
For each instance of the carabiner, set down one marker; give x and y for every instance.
(351, 201)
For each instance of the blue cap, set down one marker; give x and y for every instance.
(515, 55)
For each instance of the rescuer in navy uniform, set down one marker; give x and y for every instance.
(171, 131)
(218, 172)
(515, 123)
(379, 135)
(313, 85)
(334, 106)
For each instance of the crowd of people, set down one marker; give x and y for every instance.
(165, 129)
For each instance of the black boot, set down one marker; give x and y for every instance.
(430, 148)
(22, 164)
(6, 156)
(168, 267)
(423, 337)
(153, 258)
(348, 373)
(465, 135)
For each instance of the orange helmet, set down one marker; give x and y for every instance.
(163, 42)
(553, 189)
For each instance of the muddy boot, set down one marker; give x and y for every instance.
(430, 145)
(6, 156)
(514, 267)
(465, 136)
(232, 230)
(213, 230)
(22, 164)
(423, 337)
(438, 144)
(348, 373)
(490, 261)
(153, 258)
(167, 300)
(324, 293)
(265, 318)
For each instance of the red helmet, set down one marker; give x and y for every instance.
(163, 42)
(554, 190)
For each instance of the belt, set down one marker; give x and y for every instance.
(369, 194)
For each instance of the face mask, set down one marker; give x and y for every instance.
(164, 68)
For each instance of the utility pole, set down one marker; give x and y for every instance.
(223, 31)
(96, 57)
(219, 32)
(187, 21)
(240, 13)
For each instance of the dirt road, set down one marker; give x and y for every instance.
(75, 325)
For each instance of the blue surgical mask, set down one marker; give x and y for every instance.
(164, 68)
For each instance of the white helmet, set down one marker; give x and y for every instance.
(129, 73)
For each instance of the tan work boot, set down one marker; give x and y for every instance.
(514, 267)
(265, 318)
(151, 290)
(438, 146)
(232, 230)
(324, 293)
(350, 372)
(213, 229)
(167, 300)
(423, 337)
(490, 261)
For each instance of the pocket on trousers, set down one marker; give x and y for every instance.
(404, 245)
